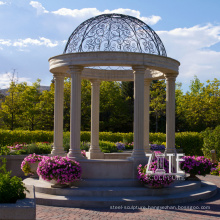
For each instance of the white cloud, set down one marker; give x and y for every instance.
(191, 46)
(148, 20)
(29, 41)
(6, 79)
(39, 7)
(85, 12)
(90, 12)
(42, 41)
(5, 42)
(2, 3)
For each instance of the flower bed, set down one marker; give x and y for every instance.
(19, 149)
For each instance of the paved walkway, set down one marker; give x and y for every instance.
(207, 209)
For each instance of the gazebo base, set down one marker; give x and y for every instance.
(108, 169)
(120, 196)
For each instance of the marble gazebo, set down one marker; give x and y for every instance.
(112, 47)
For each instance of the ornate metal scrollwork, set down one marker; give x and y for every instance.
(114, 32)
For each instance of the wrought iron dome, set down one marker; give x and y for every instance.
(114, 32)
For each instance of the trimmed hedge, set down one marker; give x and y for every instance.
(8, 137)
(190, 142)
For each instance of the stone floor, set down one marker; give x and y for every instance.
(207, 209)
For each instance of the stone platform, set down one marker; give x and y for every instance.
(112, 192)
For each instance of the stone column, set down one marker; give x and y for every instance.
(138, 153)
(58, 115)
(147, 114)
(170, 113)
(94, 151)
(75, 112)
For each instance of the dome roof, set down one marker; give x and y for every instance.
(114, 32)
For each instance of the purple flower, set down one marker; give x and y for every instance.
(61, 169)
(120, 146)
(157, 147)
(196, 165)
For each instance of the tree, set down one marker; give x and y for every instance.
(127, 93)
(158, 104)
(85, 105)
(180, 120)
(113, 111)
(46, 109)
(66, 110)
(11, 108)
(200, 107)
(211, 95)
(29, 99)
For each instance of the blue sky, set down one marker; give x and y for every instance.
(33, 31)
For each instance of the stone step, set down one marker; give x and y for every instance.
(92, 182)
(206, 191)
(45, 187)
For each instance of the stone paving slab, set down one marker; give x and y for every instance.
(206, 209)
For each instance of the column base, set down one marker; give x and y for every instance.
(139, 157)
(148, 151)
(76, 156)
(95, 155)
(170, 151)
(58, 152)
(138, 154)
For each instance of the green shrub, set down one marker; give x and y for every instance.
(38, 148)
(85, 136)
(11, 188)
(84, 145)
(129, 146)
(44, 148)
(190, 142)
(211, 142)
(107, 147)
(157, 138)
(4, 150)
(116, 137)
(66, 141)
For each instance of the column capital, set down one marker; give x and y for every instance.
(147, 81)
(170, 76)
(75, 69)
(139, 68)
(58, 75)
(95, 81)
